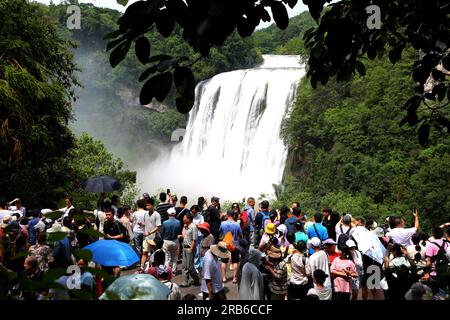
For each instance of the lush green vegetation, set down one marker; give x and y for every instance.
(36, 82)
(40, 158)
(347, 150)
(90, 158)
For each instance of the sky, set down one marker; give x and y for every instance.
(300, 7)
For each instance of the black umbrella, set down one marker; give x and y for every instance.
(102, 184)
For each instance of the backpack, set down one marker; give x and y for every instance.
(245, 224)
(343, 238)
(441, 260)
(228, 239)
(123, 230)
(265, 216)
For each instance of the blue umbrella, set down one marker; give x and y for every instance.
(112, 253)
(136, 287)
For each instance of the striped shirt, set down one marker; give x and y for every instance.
(279, 283)
(162, 210)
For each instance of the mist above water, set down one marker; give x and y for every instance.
(232, 147)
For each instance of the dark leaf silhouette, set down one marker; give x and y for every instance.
(142, 49)
(156, 87)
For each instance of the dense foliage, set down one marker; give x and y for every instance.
(347, 150)
(90, 158)
(36, 83)
(40, 159)
(344, 38)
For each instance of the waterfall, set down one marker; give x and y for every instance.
(232, 146)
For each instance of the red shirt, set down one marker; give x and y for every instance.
(152, 271)
(333, 256)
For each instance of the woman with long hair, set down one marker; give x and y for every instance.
(236, 211)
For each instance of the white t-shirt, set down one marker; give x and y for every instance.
(4, 213)
(20, 211)
(139, 221)
(102, 218)
(402, 236)
(344, 229)
(116, 210)
(319, 260)
(323, 293)
(398, 262)
(197, 220)
(300, 271)
(412, 251)
(153, 221)
(66, 211)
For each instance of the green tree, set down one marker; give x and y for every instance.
(36, 93)
(90, 158)
(343, 39)
(347, 151)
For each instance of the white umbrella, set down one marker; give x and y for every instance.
(369, 244)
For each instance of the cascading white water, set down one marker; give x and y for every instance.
(232, 146)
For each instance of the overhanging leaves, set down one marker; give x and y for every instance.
(156, 87)
(165, 23)
(119, 53)
(142, 49)
(185, 85)
(280, 15)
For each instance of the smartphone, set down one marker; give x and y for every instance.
(168, 191)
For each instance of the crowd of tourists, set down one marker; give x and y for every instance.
(273, 254)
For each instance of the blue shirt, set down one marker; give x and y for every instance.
(33, 234)
(301, 236)
(211, 271)
(311, 232)
(61, 249)
(290, 224)
(170, 229)
(232, 226)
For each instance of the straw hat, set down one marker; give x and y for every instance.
(5, 221)
(56, 227)
(220, 250)
(45, 211)
(270, 228)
